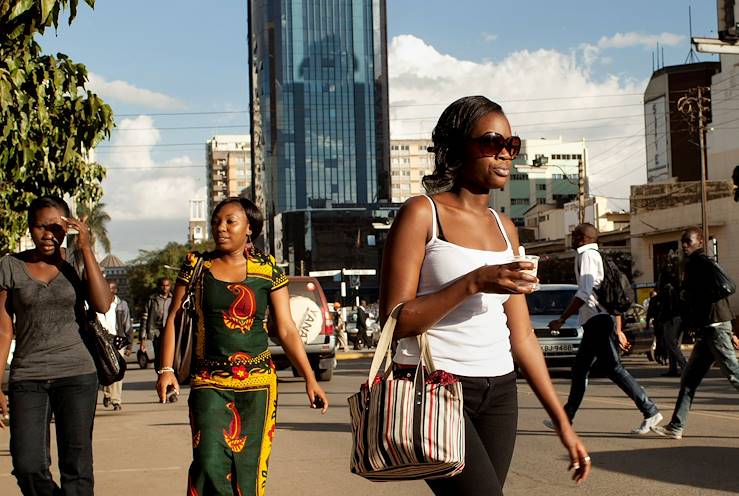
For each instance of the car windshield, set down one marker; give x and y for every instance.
(549, 302)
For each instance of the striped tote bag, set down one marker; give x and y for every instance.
(407, 429)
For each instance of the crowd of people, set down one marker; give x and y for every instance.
(448, 263)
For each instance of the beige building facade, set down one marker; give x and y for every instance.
(228, 163)
(660, 212)
(410, 160)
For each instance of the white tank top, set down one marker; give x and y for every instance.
(473, 339)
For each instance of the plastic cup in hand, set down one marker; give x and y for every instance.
(534, 259)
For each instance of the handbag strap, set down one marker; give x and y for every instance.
(382, 353)
(193, 281)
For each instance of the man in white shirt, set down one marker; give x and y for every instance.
(601, 332)
(117, 320)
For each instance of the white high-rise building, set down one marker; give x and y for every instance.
(410, 160)
(228, 162)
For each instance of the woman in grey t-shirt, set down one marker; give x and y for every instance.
(52, 372)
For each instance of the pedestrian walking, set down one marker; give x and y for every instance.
(362, 340)
(233, 389)
(340, 326)
(712, 320)
(43, 299)
(448, 260)
(668, 319)
(117, 320)
(602, 333)
(157, 309)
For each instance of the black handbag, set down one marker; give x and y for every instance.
(110, 364)
(185, 327)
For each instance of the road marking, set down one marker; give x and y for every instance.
(724, 416)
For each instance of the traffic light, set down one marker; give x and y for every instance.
(735, 178)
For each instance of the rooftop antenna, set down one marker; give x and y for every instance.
(652, 61)
(663, 55)
(658, 64)
(692, 57)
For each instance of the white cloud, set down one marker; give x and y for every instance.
(128, 93)
(632, 39)
(140, 188)
(489, 37)
(531, 86)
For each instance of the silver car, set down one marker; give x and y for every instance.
(547, 304)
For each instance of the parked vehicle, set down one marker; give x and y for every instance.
(640, 337)
(312, 316)
(549, 302)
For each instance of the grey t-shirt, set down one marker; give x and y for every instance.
(49, 323)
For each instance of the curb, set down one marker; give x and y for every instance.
(355, 355)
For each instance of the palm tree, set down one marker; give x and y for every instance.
(96, 218)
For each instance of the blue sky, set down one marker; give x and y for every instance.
(148, 58)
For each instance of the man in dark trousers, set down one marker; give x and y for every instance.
(600, 333)
(157, 309)
(712, 321)
(117, 320)
(362, 314)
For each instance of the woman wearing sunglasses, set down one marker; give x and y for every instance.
(448, 259)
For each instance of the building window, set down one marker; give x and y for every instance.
(519, 177)
(519, 201)
(541, 187)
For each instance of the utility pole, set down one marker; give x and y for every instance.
(581, 190)
(694, 107)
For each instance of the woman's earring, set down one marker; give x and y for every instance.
(248, 247)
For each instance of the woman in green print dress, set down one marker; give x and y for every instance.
(233, 396)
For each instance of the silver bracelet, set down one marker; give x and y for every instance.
(165, 369)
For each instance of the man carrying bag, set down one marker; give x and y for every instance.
(705, 288)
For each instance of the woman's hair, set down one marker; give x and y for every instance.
(256, 219)
(48, 201)
(449, 136)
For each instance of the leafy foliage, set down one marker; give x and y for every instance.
(150, 265)
(47, 119)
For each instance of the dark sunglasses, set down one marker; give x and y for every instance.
(491, 144)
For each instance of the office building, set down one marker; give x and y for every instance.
(319, 104)
(228, 164)
(410, 160)
(671, 140)
(545, 172)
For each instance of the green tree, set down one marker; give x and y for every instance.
(97, 220)
(150, 265)
(48, 120)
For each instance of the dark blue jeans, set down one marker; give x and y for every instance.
(598, 342)
(713, 344)
(71, 400)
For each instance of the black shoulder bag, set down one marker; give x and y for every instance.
(110, 364)
(185, 329)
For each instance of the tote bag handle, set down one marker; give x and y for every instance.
(382, 353)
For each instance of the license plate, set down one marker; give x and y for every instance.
(547, 348)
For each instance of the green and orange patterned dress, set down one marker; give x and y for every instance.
(233, 396)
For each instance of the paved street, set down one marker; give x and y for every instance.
(144, 450)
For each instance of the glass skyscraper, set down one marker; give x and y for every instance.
(319, 104)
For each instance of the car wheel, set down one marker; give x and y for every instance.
(324, 375)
